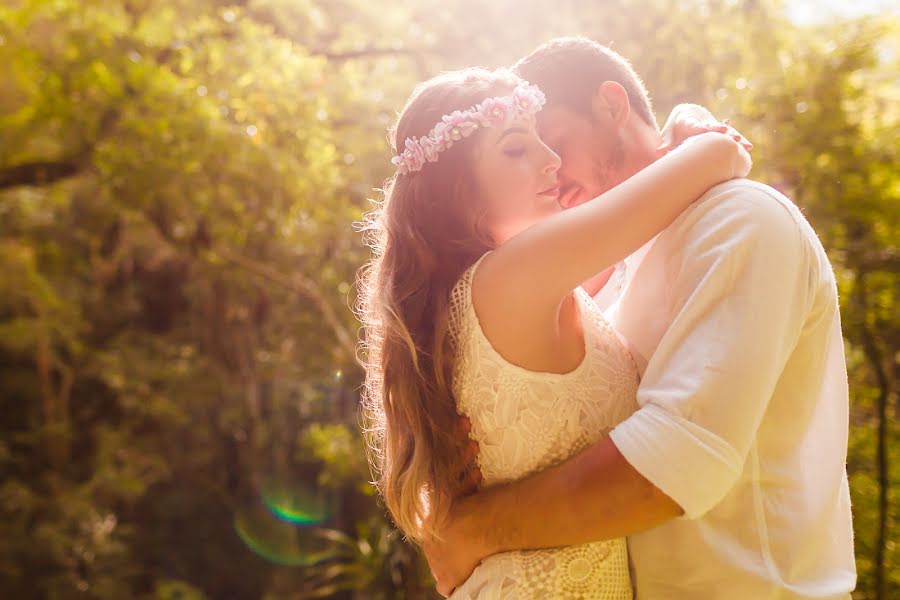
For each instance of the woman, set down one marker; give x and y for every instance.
(472, 304)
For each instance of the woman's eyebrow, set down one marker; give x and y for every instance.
(512, 130)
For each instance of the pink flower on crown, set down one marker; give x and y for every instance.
(400, 164)
(440, 134)
(461, 124)
(495, 110)
(414, 155)
(455, 119)
(430, 148)
(527, 99)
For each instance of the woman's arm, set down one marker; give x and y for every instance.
(685, 120)
(593, 285)
(546, 261)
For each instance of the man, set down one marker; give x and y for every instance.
(730, 480)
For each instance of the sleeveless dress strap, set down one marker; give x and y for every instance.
(461, 308)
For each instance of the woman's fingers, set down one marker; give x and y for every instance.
(471, 482)
(469, 458)
(715, 126)
(471, 451)
(469, 476)
(723, 127)
(687, 128)
(739, 138)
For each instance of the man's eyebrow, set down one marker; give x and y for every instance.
(512, 130)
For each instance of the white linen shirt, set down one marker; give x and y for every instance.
(743, 413)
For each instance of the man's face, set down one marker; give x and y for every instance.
(593, 161)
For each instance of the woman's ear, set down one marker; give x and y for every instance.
(610, 104)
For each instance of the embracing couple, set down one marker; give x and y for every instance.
(600, 362)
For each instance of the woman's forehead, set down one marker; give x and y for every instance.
(527, 123)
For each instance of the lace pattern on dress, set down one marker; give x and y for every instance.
(526, 421)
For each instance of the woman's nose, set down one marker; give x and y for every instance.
(554, 162)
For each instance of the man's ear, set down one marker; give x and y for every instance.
(610, 104)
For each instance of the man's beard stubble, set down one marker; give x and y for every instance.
(609, 170)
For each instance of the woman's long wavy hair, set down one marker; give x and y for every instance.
(424, 234)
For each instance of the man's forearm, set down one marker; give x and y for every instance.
(595, 495)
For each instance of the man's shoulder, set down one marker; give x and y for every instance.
(753, 196)
(740, 206)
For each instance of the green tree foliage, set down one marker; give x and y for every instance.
(178, 180)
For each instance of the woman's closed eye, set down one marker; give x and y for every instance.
(515, 151)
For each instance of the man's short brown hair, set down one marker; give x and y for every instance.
(570, 69)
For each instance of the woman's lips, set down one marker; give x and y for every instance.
(552, 192)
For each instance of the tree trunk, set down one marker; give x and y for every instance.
(874, 356)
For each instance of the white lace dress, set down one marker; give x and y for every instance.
(526, 421)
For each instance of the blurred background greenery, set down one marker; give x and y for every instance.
(178, 180)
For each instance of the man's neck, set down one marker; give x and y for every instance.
(641, 141)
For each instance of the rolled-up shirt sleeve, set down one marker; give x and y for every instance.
(738, 297)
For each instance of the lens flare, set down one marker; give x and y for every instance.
(278, 541)
(295, 503)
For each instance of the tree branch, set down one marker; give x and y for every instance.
(299, 284)
(885, 259)
(365, 53)
(38, 173)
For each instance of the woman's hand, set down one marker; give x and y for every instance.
(688, 120)
(724, 157)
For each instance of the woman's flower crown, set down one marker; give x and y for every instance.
(525, 100)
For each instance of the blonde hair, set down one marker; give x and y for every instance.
(424, 234)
